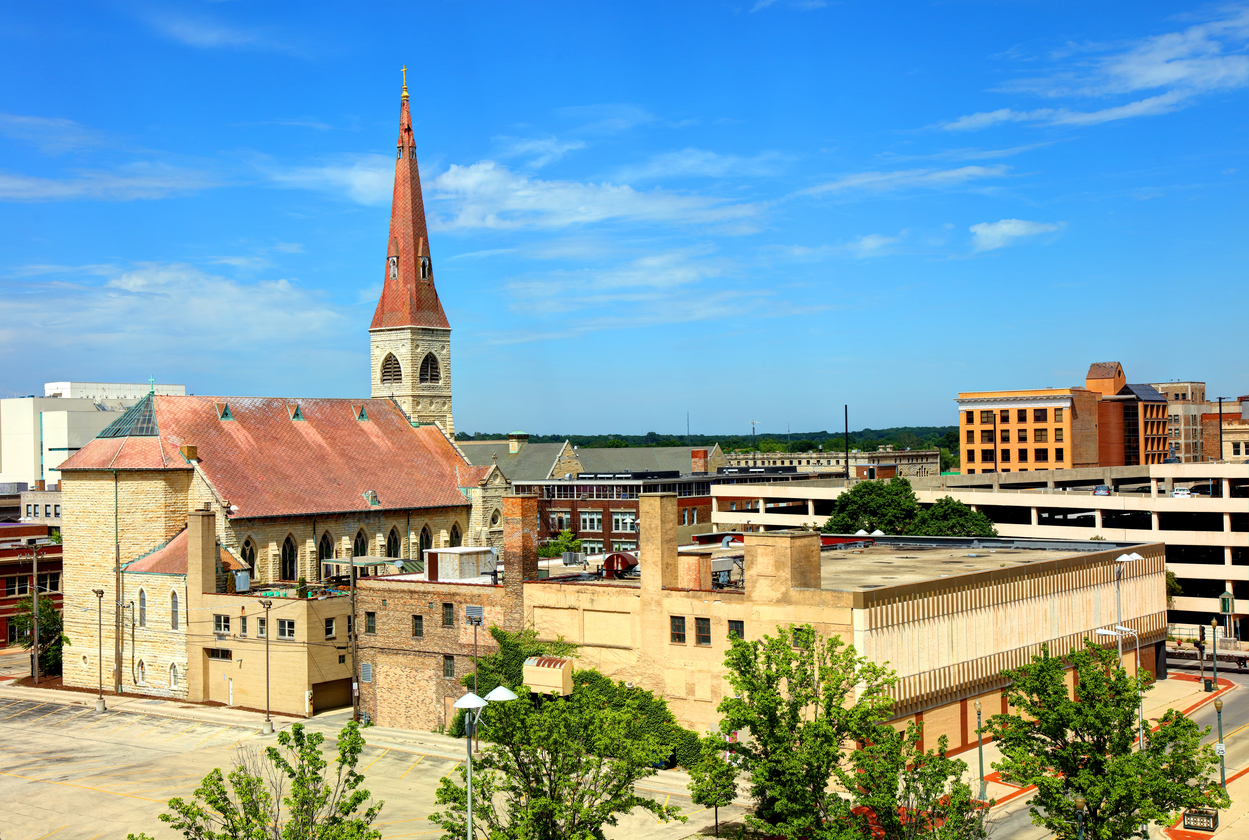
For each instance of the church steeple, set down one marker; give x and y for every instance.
(409, 298)
(410, 337)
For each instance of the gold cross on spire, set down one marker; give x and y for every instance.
(404, 70)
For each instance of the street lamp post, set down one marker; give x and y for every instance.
(1119, 561)
(1081, 803)
(1218, 707)
(980, 749)
(1120, 631)
(267, 727)
(99, 637)
(1214, 659)
(472, 706)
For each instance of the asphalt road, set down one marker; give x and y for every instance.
(1014, 822)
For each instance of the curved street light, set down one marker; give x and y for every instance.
(472, 706)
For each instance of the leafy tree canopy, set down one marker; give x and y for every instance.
(713, 778)
(891, 506)
(52, 638)
(1083, 744)
(951, 518)
(565, 541)
(867, 440)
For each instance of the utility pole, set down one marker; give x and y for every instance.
(754, 449)
(267, 729)
(34, 600)
(117, 618)
(846, 409)
(1220, 458)
(99, 638)
(355, 634)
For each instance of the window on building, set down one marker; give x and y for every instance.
(1058, 454)
(1058, 435)
(592, 546)
(971, 436)
(370, 623)
(448, 615)
(140, 676)
(1041, 456)
(685, 516)
(431, 373)
(622, 521)
(51, 582)
(1058, 415)
(1005, 435)
(1004, 415)
(737, 628)
(47, 510)
(329, 628)
(219, 653)
(624, 545)
(986, 436)
(702, 631)
(11, 634)
(286, 628)
(693, 516)
(173, 676)
(448, 667)
(971, 417)
(677, 626)
(16, 585)
(243, 625)
(260, 628)
(56, 510)
(457, 539)
(325, 553)
(418, 626)
(173, 610)
(971, 456)
(1006, 456)
(986, 417)
(29, 515)
(360, 545)
(986, 456)
(392, 543)
(392, 373)
(1021, 415)
(221, 624)
(1235, 448)
(142, 608)
(1040, 435)
(290, 559)
(591, 520)
(1023, 456)
(1040, 415)
(249, 553)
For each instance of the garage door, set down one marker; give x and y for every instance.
(332, 694)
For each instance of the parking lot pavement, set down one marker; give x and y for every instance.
(70, 773)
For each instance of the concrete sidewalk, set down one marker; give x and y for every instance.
(1233, 822)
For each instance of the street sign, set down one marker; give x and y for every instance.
(1219, 749)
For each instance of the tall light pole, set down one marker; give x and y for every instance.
(1120, 632)
(1218, 707)
(1119, 561)
(267, 727)
(1080, 803)
(99, 637)
(472, 706)
(1214, 659)
(980, 749)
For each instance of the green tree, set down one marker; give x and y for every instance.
(949, 459)
(566, 541)
(506, 666)
(654, 717)
(1084, 745)
(906, 792)
(282, 795)
(558, 769)
(1173, 586)
(52, 638)
(713, 778)
(804, 445)
(951, 518)
(805, 699)
(870, 505)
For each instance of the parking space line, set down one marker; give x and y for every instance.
(81, 787)
(32, 708)
(183, 732)
(41, 717)
(68, 763)
(102, 719)
(374, 761)
(122, 771)
(418, 761)
(666, 798)
(50, 833)
(241, 740)
(213, 735)
(137, 718)
(154, 728)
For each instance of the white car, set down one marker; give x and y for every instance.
(1181, 493)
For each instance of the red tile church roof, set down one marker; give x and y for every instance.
(170, 559)
(264, 462)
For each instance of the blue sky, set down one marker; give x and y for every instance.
(747, 211)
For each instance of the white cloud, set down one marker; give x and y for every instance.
(870, 245)
(365, 179)
(208, 34)
(908, 178)
(541, 150)
(609, 118)
(488, 195)
(165, 316)
(145, 180)
(53, 135)
(1180, 66)
(691, 163)
(988, 236)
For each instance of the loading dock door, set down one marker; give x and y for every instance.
(332, 694)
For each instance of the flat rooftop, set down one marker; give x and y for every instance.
(877, 566)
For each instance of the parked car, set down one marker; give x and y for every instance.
(1181, 493)
(1101, 490)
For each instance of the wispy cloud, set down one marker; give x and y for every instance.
(909, 179)
(700, 163)
(989, 236)
(970, 153)
(53, 135)
(540, 151)
(363, 178)
(489, 195)
(802, 5)
(210, 34)
(1175, 69)
(869, 245)
(608, 118)
(127, 183)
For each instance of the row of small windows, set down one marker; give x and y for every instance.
(1039, 456)
(32, 511)
(20, 584)
(702, 630)
(141, 618)
(326, 551)
(140, 673)
(1021, 435)
(222, 625)
(1039, 415)
(430, 370)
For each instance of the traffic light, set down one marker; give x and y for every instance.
(1201, 633)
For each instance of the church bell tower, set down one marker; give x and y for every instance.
(410, 338)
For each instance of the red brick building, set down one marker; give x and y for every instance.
(18, 544)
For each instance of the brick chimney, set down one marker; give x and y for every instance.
(515, 440)
(778, 561)
(698, 461)
(520, 541)
(201, 551)
(39, 484)
(657, 539)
